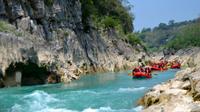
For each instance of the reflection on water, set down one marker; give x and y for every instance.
(92, 80)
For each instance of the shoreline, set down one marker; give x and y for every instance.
(180, 94)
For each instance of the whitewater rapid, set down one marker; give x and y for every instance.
(40, 101)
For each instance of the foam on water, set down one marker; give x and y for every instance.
(120, 90)
(38, 100)
(85, 92)
(131, 89)
(40, 96)
(101, 109)
(109, 109)
(16, 108)
(55, 110)
(138, 109)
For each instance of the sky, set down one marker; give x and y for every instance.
(149, 13)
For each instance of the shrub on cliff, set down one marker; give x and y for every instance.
(6, 27)
(107, 11)
(3, 26)
(133, 39)
(110, 22)
(48, 2)
(88, 10)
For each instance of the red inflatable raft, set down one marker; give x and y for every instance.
(155, 68)
(176, 66)
(140, 72)
(141, 75)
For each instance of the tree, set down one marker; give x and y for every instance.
(110, 22)
(146, 30)
(162, 26)
(133, 39)
(171, 22)
(98, 10)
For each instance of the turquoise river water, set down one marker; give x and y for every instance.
(108, 92)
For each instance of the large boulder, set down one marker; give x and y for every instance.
(181, 94)
(195, 85)
(175, 104)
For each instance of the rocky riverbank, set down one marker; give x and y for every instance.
(181, 94)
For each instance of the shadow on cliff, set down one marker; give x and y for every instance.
(25, 74)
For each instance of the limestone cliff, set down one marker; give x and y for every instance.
(45, 41)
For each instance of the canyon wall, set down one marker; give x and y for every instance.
(48, 35)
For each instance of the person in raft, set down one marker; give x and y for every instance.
(147, 70)
(141, 63)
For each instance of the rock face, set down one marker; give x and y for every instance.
(181, 94)
(52, 35)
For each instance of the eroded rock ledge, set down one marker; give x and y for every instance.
(181, 94)
(67, 61)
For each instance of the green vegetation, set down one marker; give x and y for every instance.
(188, 36)
(4, 26)
(168, 35)
(133, 39)
(87, 8)
(8, 28)
(110, 14)
(107, 13)
(110, 22)
(66, 33)
(48, 2)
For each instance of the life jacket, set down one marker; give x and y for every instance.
(148, 70)
(141, 69)
(136, 70)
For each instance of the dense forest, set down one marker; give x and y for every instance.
(189, 36)
(175, 35)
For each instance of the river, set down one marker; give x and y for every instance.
(108, 92)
